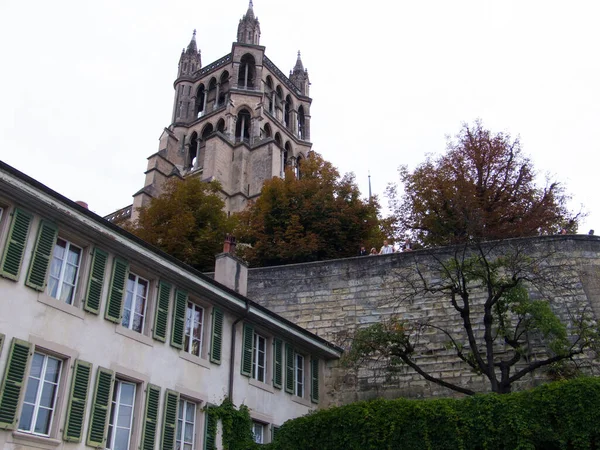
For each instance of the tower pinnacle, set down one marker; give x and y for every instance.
(249, 27)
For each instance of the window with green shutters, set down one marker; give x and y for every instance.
(178, 325)
(150, 417)
(114, 304)
(274, 432)
(314, 380)
(289, 369)
(277, 363)
(13, 381)
(216, 340)
(210, 432)
(100, 408)
(80, 385)
(42, 255)
(96, 281)
(169, 420)
(14, 248)
(247, 341)
(161, 317)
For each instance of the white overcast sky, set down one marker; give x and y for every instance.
(87, 87)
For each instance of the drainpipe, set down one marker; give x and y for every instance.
(232, 354)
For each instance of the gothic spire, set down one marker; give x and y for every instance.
(192, 47)
(299, 67)
(250, 13)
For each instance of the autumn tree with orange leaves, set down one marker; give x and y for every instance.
(483, 188)
(314, 217)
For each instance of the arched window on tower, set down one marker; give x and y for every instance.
(221, 126)
(285, 155)
(192, 159)
(212, 93)
(207, 131)
(301, 123)
(298, 166)
(287, 114)
(242, 126)
(278, 100)
(268, 131)
(223, 88)
(200, 101)
(278, 139)
(269, 93)
(247, 72)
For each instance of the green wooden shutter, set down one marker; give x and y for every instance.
(114, 304)
(82, 374)
(277, 363)
(14, 249)
(169, 420)
(1, 342)
(289, 369)
(105, 379)
(150, 417)
(42, 255)
(216, 340)
(247, 341)
(314, 377)
(210, 431)
(274, 432)
(178, 325)
(13, 382)
(96, 281)
(162, 312)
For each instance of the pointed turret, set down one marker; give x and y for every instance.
(249, 28)
(190, 60)
(299, 76)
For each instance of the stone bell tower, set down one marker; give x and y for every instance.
(239, 120)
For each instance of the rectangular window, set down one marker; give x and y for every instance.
(194, 318)
(258, 430)
(40, 396)
(299, 369)
(121, 416)
(186, 425)
(259, 357)
(64, 271)
(136, 297)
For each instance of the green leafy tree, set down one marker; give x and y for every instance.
(187, 221)
(315, 217)
(512, 309)
(482, 188)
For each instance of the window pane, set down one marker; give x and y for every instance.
(138, 323)
(42, 422)
(190, 412)
(32, 388)
(127, 393)
(74, 254)
(52, 370)
(36, 365)
(124, 418)
(189, 432)
(197, 330)
(47, 397)
(126, 318)
(70, 274)
(55, 266)
(140, 304)
(122, 439)
(66, 294)
(195, 348)
(26, 417)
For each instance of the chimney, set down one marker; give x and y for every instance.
(229, 269)
(82, 204)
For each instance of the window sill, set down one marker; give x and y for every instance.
(60, 305)
(141, 338)
(26, 439)
(261, 385)
(194, 359)
(302, 401)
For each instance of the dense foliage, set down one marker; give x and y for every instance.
(187, 221)
(499, 301)
(483, 188)
(561, 415)
(236, 425)
(314, 217)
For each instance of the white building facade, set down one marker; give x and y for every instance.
(107, 342)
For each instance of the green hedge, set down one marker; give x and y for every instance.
(561, 415)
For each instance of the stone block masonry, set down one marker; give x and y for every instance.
(333, 298)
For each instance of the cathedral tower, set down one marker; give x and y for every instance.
(238, 120)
